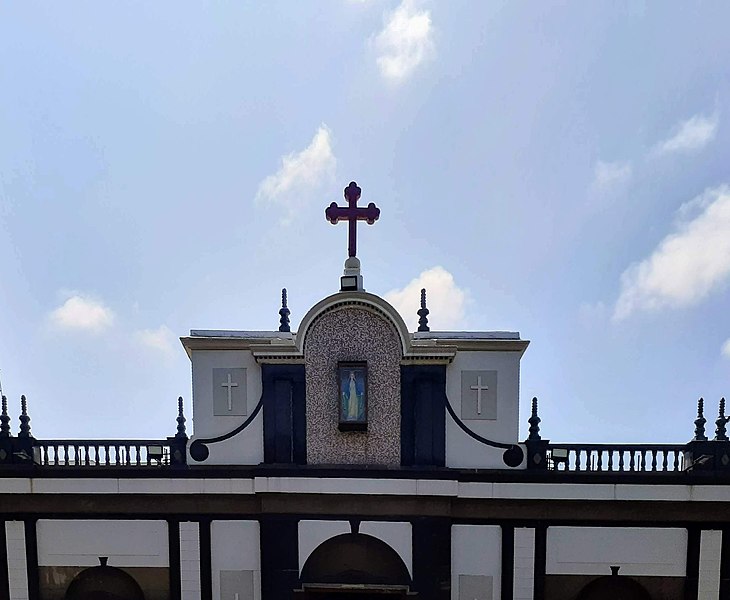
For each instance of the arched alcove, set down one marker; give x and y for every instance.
(614, 587)
(351, 561)
(104, 583)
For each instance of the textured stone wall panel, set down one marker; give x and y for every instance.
(353, 334)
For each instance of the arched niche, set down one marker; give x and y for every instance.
(104, 583)
(354, 562)
(614, 587)
(362, 300)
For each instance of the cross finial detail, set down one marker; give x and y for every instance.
(352, 213)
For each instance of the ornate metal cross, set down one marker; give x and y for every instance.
(352, 213)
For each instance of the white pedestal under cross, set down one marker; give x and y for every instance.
(478, 388)
(230, 385)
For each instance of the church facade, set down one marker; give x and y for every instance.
(356, 459)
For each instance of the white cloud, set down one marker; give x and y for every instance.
(688, 264)
(161, 340)
(726, 348)
(689, 135)
(446, 300)
(81, 312)
(405, 41)
(300, 172)
(607, 175)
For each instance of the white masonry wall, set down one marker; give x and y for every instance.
(638, 551)
(709, 584)
(235, 546)
(190, 560)
(462, 450)
(80, 543)
(524, 576)
(476, 562)
(17, 573)
(246, 448)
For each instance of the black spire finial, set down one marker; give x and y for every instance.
(721, 432)
(4, 419)
(700, 422)
(534, 422)
(423, 313)
(181, 433)
(24, 419)
(284, 313)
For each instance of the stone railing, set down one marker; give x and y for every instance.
(616, 458)
(104, 453)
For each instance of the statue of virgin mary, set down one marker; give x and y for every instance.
(352, 401)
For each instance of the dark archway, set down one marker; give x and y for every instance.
(614, 587)
(104, 583)
(357, 566)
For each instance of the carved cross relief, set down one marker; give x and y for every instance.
(479, 395)
(229, 392)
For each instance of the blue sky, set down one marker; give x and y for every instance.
(556, 168)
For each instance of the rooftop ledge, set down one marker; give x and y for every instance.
(419, 335)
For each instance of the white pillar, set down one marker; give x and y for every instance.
(17, 570)
(524, 577)
(709, 584)
(189, 560)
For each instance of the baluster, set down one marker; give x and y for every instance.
(577, 459)
(45, 454)
(643, 459)
(65, 454)
(106, 454)
(86, 455)
(139, 454)
(665, 460)
(599, 463)
(631, 460)
(620, 460)
(610, 460)
(653, 460)
(677, 456)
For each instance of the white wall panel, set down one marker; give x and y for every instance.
(313, 533)
(476, 550)
(235, 546)
(592, 550)
(81, 543)
(462, 450)
(247, 448)
(397, 535)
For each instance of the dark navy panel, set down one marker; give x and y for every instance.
(279, 557)
(285, 426)
(31, 559)
(432, 558)
(508, 562)
(423, 415)
(173, 545)
(206, 557)
(692, 573)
